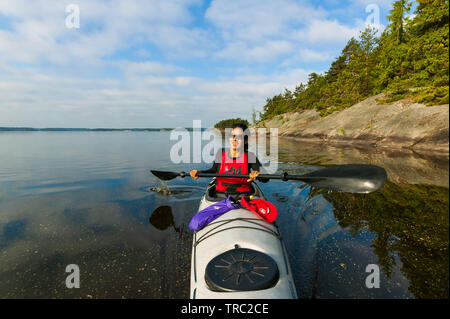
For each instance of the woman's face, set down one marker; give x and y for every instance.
(237, 138)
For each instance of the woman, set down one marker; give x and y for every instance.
(235, 161)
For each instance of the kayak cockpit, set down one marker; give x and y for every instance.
(212, 196)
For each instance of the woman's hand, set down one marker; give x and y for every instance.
(253, 175)
(193, 174)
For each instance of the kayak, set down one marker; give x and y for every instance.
(239, 256)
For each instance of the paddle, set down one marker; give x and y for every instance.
(349, 178)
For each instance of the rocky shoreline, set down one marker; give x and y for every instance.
(399, 125)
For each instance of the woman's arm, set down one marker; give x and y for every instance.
(255, 165)
(213, 169)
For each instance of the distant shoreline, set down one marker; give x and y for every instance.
(33, 129)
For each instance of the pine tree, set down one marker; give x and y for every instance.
(397, 19)
(411, 52)
(429, 43)
(368, 42)
(392, 66)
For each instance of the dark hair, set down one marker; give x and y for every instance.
(244, 128)
(241, 125)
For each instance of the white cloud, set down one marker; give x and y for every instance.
(146, 67)
(267, 51)
(326, 32)
(39, 33)
(385, 4)
(308, 55)
(184, 81)
(253, 20)
(193, 66)
(259, 30)
(40, 99)
(264, 31)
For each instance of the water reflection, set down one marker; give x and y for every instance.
(333, 236)
(162, 218)
(93, 207)
(406, 223)
(403, 166)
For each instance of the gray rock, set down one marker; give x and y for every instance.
(399, 125)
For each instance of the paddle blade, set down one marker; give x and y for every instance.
(350, 178)
(165, 176)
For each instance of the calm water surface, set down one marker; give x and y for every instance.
(83, 198)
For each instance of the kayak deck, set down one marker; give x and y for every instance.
(239, 228)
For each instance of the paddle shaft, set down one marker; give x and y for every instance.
(283, 176)
(352, 178)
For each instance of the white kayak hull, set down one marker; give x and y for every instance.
(244, 229)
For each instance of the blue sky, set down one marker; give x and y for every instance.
(164, 63)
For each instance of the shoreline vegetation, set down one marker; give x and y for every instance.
(389, 90)
(399, 125)
(410, 59)
(228, 123)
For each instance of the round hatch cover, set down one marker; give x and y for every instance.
(241, 269)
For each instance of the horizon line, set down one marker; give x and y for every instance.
(29, 128)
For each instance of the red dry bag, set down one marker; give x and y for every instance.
(261, 207)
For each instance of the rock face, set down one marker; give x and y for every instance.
(400, 125)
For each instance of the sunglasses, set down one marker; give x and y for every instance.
(239, 137)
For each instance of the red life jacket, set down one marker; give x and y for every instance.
(233, 167)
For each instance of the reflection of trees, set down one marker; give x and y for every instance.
(402, 166)
(411, 221)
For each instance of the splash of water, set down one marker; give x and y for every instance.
(162, 189)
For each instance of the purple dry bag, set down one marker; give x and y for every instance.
(207, 215)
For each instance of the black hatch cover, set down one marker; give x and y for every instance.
(241, 269)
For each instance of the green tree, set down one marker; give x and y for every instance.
(368, 41)
(397, 19)
(228, 123)
(429, 43)
(411, 52)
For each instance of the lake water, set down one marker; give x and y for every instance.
(83, 198)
